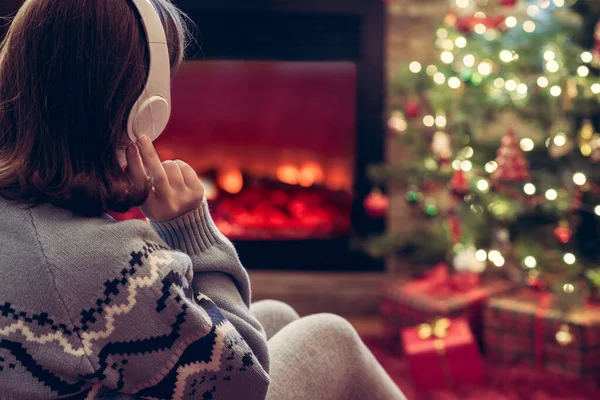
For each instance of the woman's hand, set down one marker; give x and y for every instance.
(176, 187)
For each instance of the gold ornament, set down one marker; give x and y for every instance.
(564, 337)
(585, 138)
(437, 329)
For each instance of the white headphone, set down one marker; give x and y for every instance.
(150, 113)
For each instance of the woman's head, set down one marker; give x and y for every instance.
(70, 72)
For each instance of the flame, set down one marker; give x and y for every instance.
(288, 173)
(231, 181)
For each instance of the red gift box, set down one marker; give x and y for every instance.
(438, 294)
(442, 362)
(527, 327)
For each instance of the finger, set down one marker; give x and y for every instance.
(152, 162)
(174, 174)
(189, 175)
(135, 166)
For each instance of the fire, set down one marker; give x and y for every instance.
(289, 174)
(231, 181)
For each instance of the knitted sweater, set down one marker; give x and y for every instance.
(91, 308)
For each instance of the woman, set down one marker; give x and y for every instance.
(91, 308)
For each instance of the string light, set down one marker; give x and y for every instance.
(483, 185)
(511, 85)
(496, 258)
(479, 15)
(549, 55)
(468, 152)
(529, 188)
(551, 194)
(469, 60)
(596, 88)
(522, 89)
(529, 26)
(579, 179)
(544, 3)
(569, 258)
(552, 66)
(542, 82)
(555, 91)
(485, 68)
(526, 144)
(456, 165)
(533, 10)
(466, 165)
(460, 42)
(447, 57)
(439, 78)
(499, 83)
(506, 56)
(431, 70)
(490, 34)
(587, 57)
(530, 262)
(491, 166)
(568, 288)
(560, 139)
(454, 82)
(440, 121)
(480, 29)
(414, 67)
(511, 22)
(559, 3)
(397, 123)
(448, 44)
(428, 121)
(462, 3)
(583, 71)
(480, 255)
(597, 210)
(442, 33)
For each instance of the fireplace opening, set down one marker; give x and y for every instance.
(274, 142)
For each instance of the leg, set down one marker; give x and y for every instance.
(273, 315)
(322, 357)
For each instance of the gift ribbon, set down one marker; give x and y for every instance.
(438, 330)
(538, 328)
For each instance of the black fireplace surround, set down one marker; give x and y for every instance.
(304, 30)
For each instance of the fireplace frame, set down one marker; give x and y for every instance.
(308, 30)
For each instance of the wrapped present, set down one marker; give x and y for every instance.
(438, 294)
(527, 327)
(442, 354)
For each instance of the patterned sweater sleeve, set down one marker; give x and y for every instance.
(178, 325)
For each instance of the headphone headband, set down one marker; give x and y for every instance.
(150, 113)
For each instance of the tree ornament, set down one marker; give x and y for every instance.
(563, 233)
(412, 108)
(535, 282)
(513, 167)
(564, 337)
(508, 3)
(376, 204)
(466, 261)
(596, 53)
(440, 146)
(595, 156)
(455, 228)
(396, 123)
(459, 183)
(413, 197)
(585, 138)
(431, 208)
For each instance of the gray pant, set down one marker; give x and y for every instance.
(319, 357)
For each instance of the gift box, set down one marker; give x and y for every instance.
(442, 354)
(527, 327)
(438, 294)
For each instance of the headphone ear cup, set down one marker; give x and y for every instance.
(151, 118)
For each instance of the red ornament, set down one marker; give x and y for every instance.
(596, 53)
(508, 3)
(563, 233)
(467, 25)
(512, 165)
(376, 204)
(412, 108)
(459, 183)
(455, 229)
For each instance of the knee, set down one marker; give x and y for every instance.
(335, 327)
(274, 308)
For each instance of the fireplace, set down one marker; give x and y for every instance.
(279, 108)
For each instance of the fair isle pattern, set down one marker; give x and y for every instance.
(215, 355)
(87, 338)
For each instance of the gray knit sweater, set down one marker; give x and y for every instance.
(91, 308)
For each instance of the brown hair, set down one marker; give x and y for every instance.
(70, 72)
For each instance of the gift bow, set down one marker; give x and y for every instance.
(438, 329)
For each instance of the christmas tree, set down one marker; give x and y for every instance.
(503, 152)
